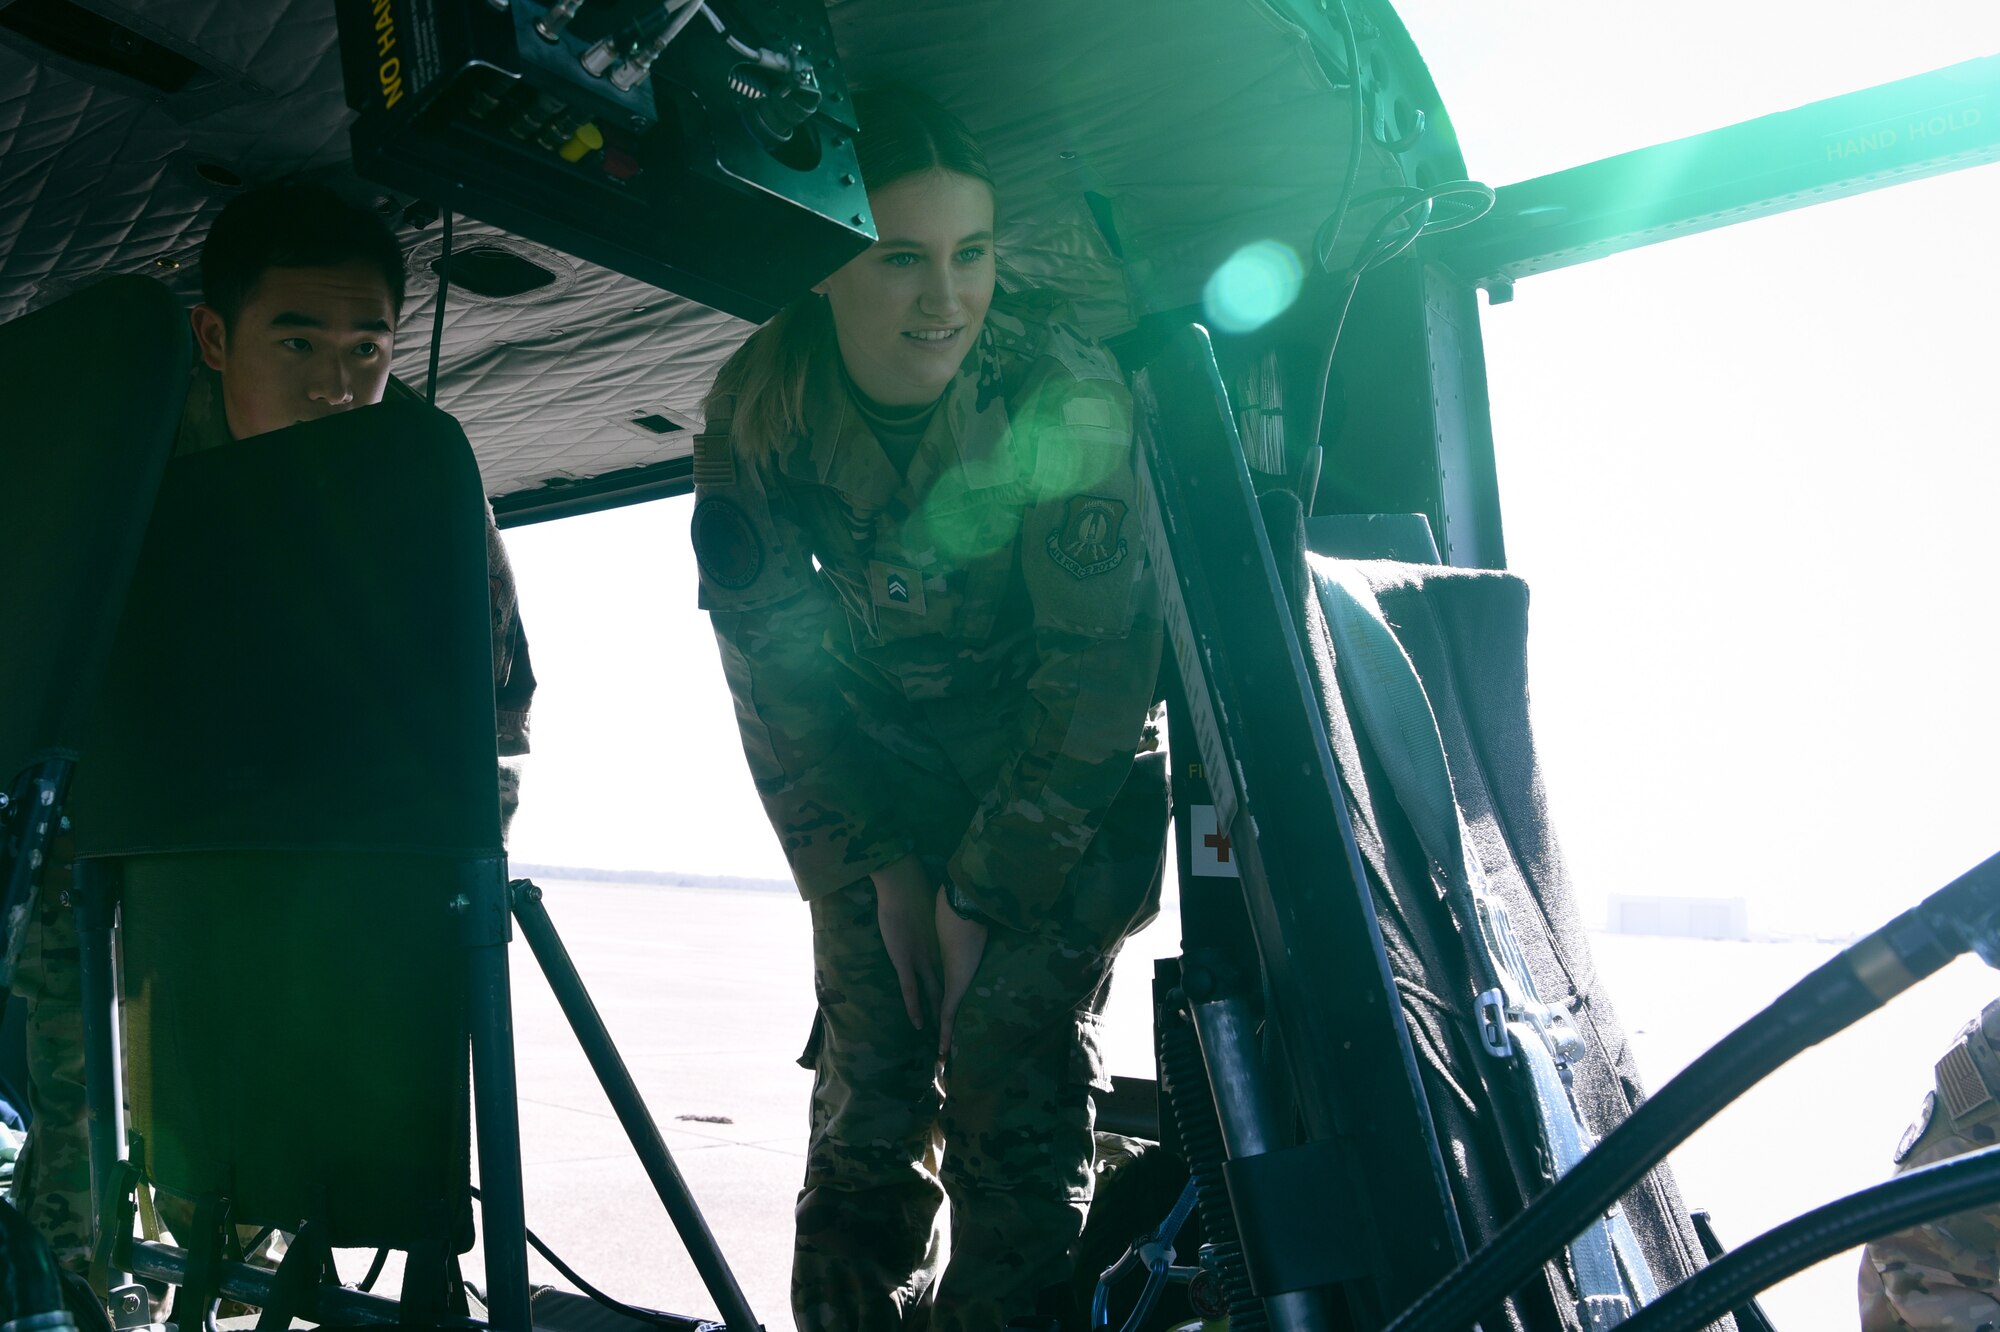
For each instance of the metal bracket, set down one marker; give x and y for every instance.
(131, 1307)
(1489, 1010)
(484, 904)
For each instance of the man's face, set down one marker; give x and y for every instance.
(307, 343)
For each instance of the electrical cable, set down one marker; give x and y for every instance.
(766, 58)
(1922, 1195)
(437, 315)
(374, 1270)
(684, 16)
(1329, 230)
(626, 40)
(634, 69)
(569, 1274)
(1378, 249)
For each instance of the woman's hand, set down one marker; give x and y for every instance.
(903, 913)
(963, 943)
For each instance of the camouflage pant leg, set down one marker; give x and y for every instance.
(52, 1178)
(1018, 1115)
(866, 1249)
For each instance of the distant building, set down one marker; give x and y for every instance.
(1680, 917)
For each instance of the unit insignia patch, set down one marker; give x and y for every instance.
(726, 545)
(1091, 540)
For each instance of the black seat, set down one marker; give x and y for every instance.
(292, 797)
(1465, 633)
(1370, 976)
(92, 388)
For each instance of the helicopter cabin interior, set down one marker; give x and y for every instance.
(1262, 208)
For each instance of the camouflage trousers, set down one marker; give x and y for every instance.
(52, 1177)
(1006, 1131)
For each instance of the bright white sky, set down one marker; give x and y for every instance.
(1750, 475)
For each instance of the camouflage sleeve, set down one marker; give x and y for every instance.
(1097, 636)
(513, 673)
(1944, 1276)
(811, 764)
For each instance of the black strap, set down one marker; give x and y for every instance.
(293, 1290)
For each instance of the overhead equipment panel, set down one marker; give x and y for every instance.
(702, 146)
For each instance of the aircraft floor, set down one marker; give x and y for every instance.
(708, 993)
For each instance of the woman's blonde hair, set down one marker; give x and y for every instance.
(903, 133)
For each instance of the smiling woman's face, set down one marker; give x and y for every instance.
(908, 309)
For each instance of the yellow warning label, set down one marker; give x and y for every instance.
(389, 72)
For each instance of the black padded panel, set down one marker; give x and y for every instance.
(306, 662)
(1466, 633)
(295, 1039)
(92, 387)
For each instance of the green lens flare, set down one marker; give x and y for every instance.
(1254, 286)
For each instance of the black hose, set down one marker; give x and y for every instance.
(1846, 988)
(1381, 248)
(1934, 1191)
(610, 1302)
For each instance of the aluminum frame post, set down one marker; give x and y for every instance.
(630, 1106)
(485, 926)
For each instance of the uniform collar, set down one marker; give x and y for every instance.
(204, 420)
(965, 436)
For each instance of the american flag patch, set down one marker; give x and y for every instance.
(714, 461)
(1959, 1082)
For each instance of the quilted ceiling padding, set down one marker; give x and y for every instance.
(1200, 125)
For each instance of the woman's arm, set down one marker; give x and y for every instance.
(1097, 634)
(817, 775)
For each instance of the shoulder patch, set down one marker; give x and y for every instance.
(726, 545)
(1080, 356)
(1082, 410)
(1092, 539)
(714, 461)
(1959, 1083)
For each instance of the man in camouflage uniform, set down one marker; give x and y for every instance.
(266, 338)
(1941, 1277)
(951, 659)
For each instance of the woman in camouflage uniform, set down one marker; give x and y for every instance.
(916, 526)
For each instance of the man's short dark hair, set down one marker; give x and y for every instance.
(292, 226)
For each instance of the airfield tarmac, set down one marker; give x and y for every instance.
(708, 993)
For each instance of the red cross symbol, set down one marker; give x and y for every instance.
(1218, 842)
